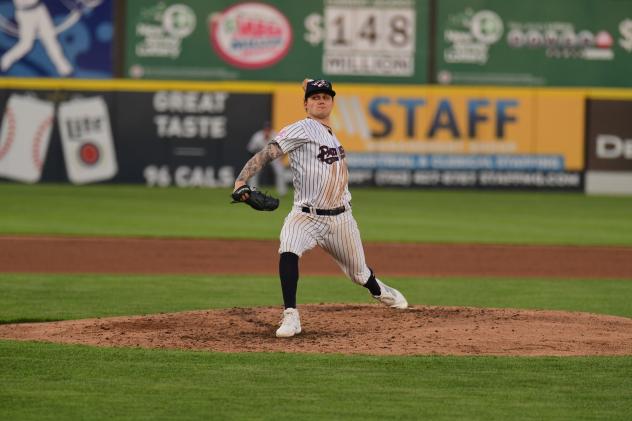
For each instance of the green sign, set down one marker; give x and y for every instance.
(284, 40)
(551, 43)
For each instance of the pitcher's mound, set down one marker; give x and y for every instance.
(352, 329)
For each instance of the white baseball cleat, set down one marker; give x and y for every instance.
(390, 296)
(290, 325)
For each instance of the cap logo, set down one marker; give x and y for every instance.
(320, 83)
(316, 86)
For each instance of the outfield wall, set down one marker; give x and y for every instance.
(395, 42)
(192, 134)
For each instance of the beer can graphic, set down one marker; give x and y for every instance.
(24, 137)
(86, 138)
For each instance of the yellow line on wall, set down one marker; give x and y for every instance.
(609, 93)
(137, 85)
(131, 85)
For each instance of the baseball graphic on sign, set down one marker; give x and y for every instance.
(24, 137)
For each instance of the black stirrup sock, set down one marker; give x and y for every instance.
(288, 272)
(372, 285)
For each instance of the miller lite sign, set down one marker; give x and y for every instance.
(86, 138)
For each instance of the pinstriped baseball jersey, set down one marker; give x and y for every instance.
(320, 176)
(317, 161)
(337, 235)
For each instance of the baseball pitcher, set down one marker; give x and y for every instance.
(321, 214)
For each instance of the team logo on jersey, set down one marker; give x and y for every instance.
(331, 155)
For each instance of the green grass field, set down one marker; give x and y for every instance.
(383, 215)
(30, 297)
(60, 382)
(42, 382)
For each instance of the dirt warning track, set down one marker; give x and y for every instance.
(191, 256)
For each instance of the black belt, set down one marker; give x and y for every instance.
(325, 212)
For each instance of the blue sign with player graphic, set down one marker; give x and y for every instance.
(56, 38)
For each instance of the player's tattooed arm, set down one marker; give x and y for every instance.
(269, 153)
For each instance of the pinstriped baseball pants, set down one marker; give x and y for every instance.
(337, 235)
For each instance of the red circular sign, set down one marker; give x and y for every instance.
(251, 35)
(89, 153)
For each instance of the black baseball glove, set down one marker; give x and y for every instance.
(256, 199)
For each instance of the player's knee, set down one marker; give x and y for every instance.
(285, 249)
(289, 257)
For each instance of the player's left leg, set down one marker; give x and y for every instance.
(300, 233)
(344, 244)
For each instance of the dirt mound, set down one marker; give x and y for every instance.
(352, 329)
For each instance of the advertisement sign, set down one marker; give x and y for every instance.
(58, 38)
(454, 136)
(609, 147)
(566, 43)
(186, 138)
(86, 138)
(197, 135)
(24, 137)
(280, 40)
(182, 138)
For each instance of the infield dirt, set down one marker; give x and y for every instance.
(353, 329)
(332, 328)
(190, 256)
